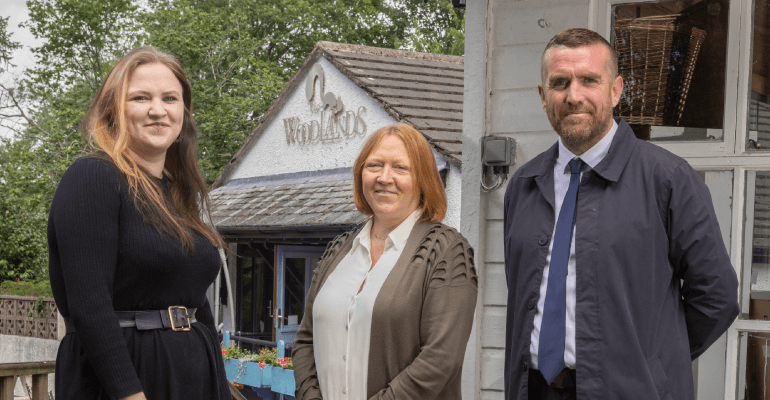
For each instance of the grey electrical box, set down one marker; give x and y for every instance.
(497, 151)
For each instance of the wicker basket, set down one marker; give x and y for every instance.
(656, 58)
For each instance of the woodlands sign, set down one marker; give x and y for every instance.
(333, 123)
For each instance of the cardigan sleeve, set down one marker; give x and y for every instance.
(83, 234)
(303, 356)
(445, 326)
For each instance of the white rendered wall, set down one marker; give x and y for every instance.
(454, 183)
(273, 155)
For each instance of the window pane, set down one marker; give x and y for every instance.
(247, 300)
(759, 99)
(754, 366)
(758, 238)
(294, 290)
(672, 57)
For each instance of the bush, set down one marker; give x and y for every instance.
(40, 288)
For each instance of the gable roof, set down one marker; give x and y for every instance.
(422, 90)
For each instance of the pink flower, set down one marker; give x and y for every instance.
(262, 365)
(224, 351)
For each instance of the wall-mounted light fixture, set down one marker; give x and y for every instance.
(497, 154)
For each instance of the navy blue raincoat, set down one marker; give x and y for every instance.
(645, 224)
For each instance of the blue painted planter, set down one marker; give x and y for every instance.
(279, 380)
(283, 381)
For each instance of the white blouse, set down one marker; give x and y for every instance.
(342, 317)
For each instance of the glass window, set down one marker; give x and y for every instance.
(294, 295)
(754, 366)
(759, 94)
(672, 56)
(758, 238)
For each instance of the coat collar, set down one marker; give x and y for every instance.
(610, 168)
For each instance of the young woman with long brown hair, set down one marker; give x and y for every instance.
(130, 256)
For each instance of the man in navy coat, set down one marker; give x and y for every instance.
(617, 273)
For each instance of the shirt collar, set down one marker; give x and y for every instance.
(592, 156)
(397, 236)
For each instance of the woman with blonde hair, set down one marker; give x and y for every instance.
(390, 307)
(130, 258)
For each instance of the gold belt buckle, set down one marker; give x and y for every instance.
(171, 319)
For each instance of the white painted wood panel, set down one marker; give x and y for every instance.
(495, 285)
(518, 110)
(493, 248)
(516, 67)
(495, 202)
(536, 21)
(492, 363)
(492, 395)
(494, 327)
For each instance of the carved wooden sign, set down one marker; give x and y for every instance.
(333, 124)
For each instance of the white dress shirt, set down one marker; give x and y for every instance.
(561, 176)
(342, 317)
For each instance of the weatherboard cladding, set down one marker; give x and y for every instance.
(424, 91)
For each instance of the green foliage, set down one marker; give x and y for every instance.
(265, 356)
(40, 288)
(82, 37)
(435, 27)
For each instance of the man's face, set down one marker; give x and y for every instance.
(579, 94)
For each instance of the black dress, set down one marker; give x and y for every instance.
(105, 258)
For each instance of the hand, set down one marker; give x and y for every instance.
(136, 396)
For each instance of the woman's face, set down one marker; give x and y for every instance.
(387, 182)
(154, 110)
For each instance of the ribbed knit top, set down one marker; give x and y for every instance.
(105, 258)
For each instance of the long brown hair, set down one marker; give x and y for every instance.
(424, 171)
(104, 128)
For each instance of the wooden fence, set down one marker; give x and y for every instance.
(28, 316)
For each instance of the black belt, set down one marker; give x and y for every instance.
(176, 318)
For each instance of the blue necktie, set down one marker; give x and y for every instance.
(550, 354)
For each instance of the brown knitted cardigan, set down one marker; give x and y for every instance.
(421, 319)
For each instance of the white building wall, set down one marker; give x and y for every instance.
(273, 155)
(513, 35)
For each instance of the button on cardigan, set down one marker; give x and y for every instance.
(421, 320)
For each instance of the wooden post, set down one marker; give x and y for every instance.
(7, 383)
(39, 371)
(40, 387)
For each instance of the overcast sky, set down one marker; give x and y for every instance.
(17, 10)
(23, 58)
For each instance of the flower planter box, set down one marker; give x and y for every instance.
(279, 380)
(283, 381)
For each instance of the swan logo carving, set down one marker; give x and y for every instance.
(328, 99)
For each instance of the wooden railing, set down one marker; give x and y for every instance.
(9, 373)
(28, 316)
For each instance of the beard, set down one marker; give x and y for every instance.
(575, 133)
